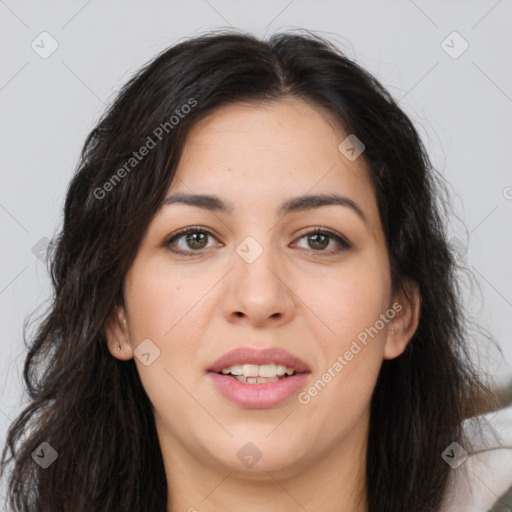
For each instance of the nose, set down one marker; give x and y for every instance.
(259, 293)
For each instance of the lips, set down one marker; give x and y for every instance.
(258, 395)
(247, 355)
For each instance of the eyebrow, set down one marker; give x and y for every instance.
(295, 204)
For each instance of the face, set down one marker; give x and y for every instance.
(253, 276)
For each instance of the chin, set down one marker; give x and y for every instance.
(253, 459)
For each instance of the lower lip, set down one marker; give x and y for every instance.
(258, 396)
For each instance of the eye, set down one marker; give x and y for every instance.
(194, 237)
(320, 238)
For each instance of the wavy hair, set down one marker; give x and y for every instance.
(91, 407)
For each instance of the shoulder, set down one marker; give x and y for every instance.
(482, 475)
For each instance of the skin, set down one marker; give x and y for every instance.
(294, 296)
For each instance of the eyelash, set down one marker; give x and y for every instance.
(317, 231)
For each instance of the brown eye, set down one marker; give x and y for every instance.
(196, 240)
(192, 240)
(319, 239)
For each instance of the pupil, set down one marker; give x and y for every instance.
(191, 238)
(323, 245)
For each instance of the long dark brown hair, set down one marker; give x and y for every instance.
(91, 407)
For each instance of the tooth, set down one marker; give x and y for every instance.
(267, 370)
(268, 379)
(254, 370)
(236, 369)
(280, 370)
(255, 380)
(250, 370)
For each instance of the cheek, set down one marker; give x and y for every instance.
(348, 302)
(169, 310)
(343, 386)
(161, 309)
(351, 305)
(160, 303)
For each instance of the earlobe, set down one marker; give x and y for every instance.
(405, 322)
(118, 335)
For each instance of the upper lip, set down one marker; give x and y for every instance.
(248, 355)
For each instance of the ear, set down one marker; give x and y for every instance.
(402, 327)
(118, 334)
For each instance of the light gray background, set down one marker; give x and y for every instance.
(461, 106)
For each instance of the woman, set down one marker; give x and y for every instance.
(255, 304)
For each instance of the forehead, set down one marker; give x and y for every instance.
(256, 154)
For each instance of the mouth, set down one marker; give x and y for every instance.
(258, 374)
(249, 362)
(258, 379)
